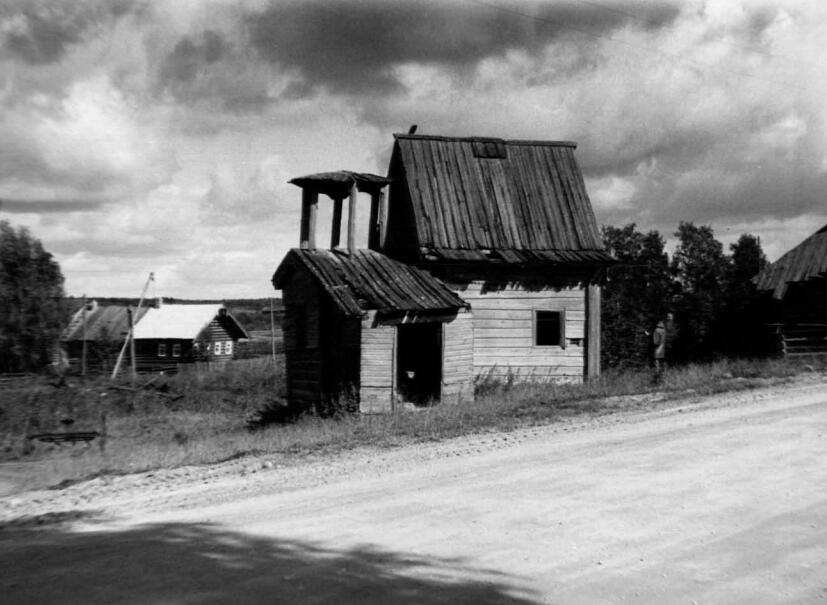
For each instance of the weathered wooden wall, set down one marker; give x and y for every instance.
(504, 331)
(303, 358)
(804, 318)
(458, 359)
(377, 366)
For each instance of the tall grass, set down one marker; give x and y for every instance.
(155, 428)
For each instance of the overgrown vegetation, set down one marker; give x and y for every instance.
(709, 293)
(198, 418)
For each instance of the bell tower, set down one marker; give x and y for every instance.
(338, 186)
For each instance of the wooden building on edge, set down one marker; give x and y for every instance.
(795, 297)
(483, 260)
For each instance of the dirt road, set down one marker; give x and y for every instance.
(718, 500)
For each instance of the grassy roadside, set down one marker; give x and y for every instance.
(193, 419)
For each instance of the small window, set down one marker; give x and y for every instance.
(217, 348)
(489, 149)
(549, 329)
(176, 350)
(162, 350)
(228, 347)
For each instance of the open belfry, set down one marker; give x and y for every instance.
(483, 259)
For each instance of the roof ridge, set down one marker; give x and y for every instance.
(472, 139)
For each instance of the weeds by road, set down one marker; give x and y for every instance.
(202, 418)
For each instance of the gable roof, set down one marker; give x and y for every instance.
(494, 194)
(185, 322)
(365, 279)
(103, 323)
(806, 261)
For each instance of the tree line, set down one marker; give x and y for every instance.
(709, 294)
(32, 312)
(708, 291)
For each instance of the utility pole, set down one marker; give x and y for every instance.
(272, 332)
(83, 339)
(129, 333)
(132, 345)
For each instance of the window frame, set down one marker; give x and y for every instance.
(218, 348)
(162, 349)
(561, 315)
(176, 349)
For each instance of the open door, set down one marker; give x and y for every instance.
(419, 362)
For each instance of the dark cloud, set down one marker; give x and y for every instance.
(23, 161)
(352, 48)
(188, 58)
(42, 33)
(15, 206)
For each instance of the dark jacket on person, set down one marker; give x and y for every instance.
(659, 340)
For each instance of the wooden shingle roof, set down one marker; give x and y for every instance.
(806, 261)
(515, 196)
(365, 280)
(108, 323)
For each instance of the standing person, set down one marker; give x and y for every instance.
(659, 344)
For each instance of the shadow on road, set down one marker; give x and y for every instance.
(201, 563)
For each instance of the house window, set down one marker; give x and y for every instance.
(550, 328)
(228, 347)
(176, 350)
(217, 348)
(162, 350)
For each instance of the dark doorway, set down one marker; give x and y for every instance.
(419, 362)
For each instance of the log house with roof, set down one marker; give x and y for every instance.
(483, 260)
(794, 292)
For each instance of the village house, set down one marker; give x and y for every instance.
(97, 332)
(165, 335)
(483, 260)
(171, 334)
(794, 292)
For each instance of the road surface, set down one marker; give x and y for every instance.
(716, 500)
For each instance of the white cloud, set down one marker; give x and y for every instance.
(715, 116)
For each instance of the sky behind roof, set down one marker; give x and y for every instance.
(159, 136)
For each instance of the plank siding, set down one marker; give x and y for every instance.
(376, 366)
(503, 332)
(303, 357)
(458, 359)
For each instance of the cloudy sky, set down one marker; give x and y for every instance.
(159, 136)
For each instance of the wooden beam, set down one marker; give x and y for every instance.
(373, 233)
(592, 331)
(383, 219)
(351, 219)
(336, 228)
(310, 202)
